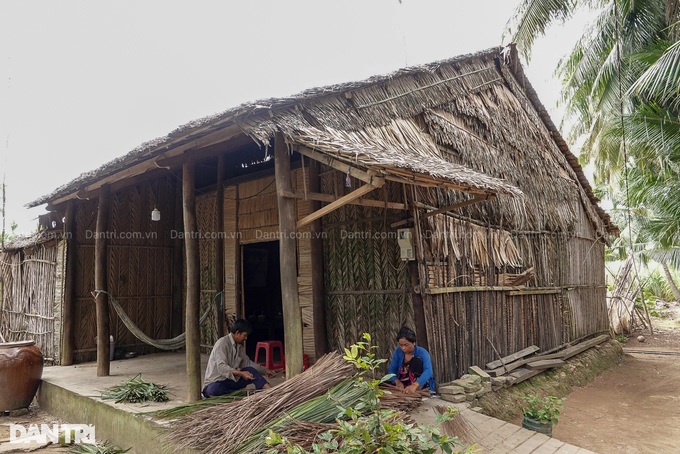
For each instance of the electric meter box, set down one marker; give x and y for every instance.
(405, 241)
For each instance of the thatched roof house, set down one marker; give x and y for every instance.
(441, 195)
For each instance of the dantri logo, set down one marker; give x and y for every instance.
(55, 433)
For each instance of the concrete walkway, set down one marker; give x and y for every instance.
(494, 436)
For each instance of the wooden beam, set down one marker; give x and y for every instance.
(535, 291)
(219, 244)
(441, 290)
(321, 197)
(514, 357)
(193, 285)
(344, 167)
(583, 346)
(317, 262)
(175, 149)
(473, 200)
(69, 308)
(365, 189)
(292, 316)
(544, 364)
(502, 370)
(100, 285)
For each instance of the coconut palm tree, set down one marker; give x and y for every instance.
(621, 90)
(628, 58)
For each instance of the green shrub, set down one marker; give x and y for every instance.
(543, 410)
(367, 427)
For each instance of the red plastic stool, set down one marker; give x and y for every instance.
(269, 347)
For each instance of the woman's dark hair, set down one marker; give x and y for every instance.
(241, 326)
(406, 333)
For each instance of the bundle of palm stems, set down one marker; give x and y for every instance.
(322, 409)
(458, 427)
(396, 399)
(223, 428)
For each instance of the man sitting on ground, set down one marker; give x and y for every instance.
(229, 368)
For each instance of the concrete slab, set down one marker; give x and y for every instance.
(533, 444)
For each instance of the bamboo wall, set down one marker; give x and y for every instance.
(585, 289)
(232, 256)
(251, 216)
(140, 271)
(208, 235)
(367, 285)
(473, 317)
(30, 305)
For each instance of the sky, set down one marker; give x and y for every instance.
(83, 82)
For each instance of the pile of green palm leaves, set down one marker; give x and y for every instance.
(136, 390)
(245, 422)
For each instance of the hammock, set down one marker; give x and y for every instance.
(164, 344)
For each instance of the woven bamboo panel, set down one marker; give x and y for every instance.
(207, 227)
(366, 283)
(139, 266)
(28, 296)
(232, 260)
(303, 208)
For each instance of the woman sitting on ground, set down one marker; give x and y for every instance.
(410, 363)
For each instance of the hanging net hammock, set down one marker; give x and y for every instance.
(174, 343)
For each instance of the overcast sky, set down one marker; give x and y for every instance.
(83, 82)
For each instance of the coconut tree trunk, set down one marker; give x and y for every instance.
(671, 282)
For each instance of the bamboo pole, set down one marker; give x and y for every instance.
(292, 316)
(68, 311)
(100, 281)
(193, 286)
(219, 245)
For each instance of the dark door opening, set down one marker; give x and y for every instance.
(262, 304)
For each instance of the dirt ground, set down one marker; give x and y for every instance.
(27, 417)
(632, 407)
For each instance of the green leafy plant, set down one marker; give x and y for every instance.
(136, 390)
(545, 410)
(622, 338)
(366, 427)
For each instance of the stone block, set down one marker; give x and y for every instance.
(475, 370)
(454, 398)
(451, 389)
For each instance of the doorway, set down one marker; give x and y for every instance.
(262, 304)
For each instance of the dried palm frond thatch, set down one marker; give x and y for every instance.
(212, 429)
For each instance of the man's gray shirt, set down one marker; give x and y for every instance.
(227, 356)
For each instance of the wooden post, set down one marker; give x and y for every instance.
(68, 310)
(292, 317)
(219, 245)
(318, 294)
(100, 284)
(193, 286)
